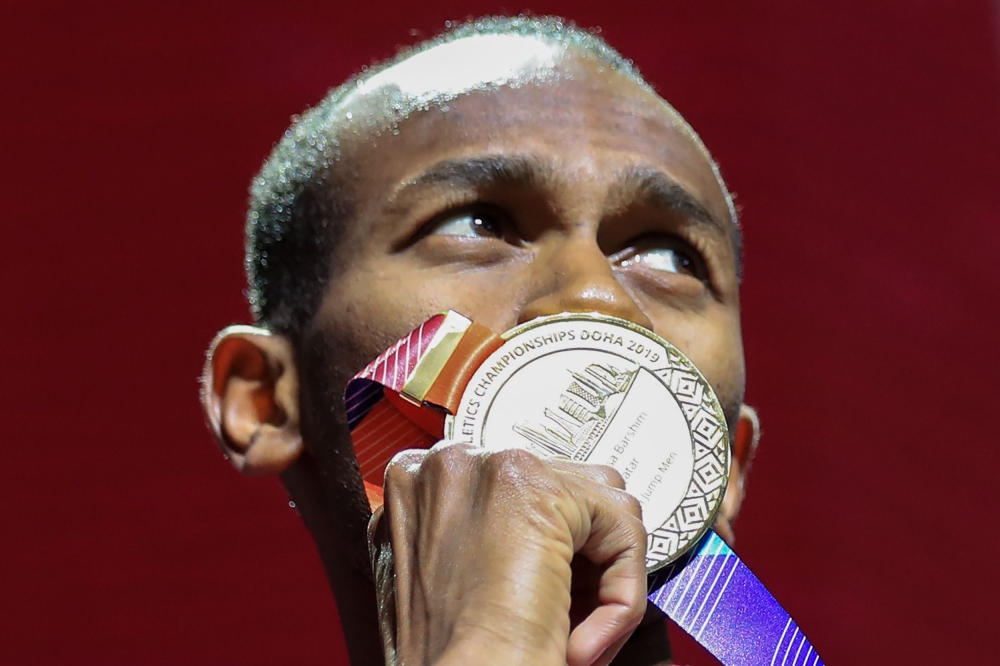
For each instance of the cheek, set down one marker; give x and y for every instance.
(374, 306)
(366, 316)
(713, 343)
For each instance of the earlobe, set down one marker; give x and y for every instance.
(744, 447)
(249, 391)
(747, 438)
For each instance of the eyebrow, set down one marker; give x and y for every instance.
(637, 183)
(642, 182)
(651, 185)
(480, 172)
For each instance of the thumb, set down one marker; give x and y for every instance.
(383, 567)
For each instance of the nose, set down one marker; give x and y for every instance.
(576, 276)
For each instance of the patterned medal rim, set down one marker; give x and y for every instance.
(696, 513)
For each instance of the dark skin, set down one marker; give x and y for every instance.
(578, 193)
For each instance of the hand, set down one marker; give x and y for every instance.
(504, 558)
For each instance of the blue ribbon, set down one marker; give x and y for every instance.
(713, 596)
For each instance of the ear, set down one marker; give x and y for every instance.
(744, 446)
(250, 393)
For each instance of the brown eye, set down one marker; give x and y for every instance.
(470, 224)
(670, 260)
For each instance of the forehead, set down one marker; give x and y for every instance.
(448, 70)
(512, 94)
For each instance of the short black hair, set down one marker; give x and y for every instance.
(297, 210)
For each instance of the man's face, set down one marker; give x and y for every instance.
(575, 193)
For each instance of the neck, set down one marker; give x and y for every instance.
(342, 549)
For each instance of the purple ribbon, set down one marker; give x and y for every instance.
(714, 597)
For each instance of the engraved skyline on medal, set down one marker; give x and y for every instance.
(594, 388)
(585, 409)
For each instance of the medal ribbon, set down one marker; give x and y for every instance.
(400, 400)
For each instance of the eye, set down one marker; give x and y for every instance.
(670, 255)
(663, 259)
(467, 223)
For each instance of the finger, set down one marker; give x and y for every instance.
(395, 536)
(589, 479)
(383, 572)
(602, 474)
(608, 655)
(375, 532)
(617, 541)
(408, 461)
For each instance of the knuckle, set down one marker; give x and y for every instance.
(430, 473)
(512, 464)
(448, 457)
(632, 505)
(611, 476)
(628, 503)
(445, 450)
(402, 468)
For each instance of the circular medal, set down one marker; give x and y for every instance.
(594, 388)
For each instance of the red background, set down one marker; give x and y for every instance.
(862, 138)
